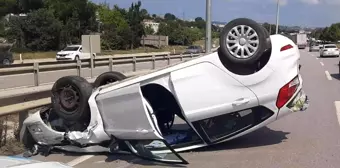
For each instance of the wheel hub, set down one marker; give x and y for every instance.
(69, 98)
(242, 41)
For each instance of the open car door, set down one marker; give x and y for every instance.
(128, 116)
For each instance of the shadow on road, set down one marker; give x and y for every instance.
(262, 137)
(336, 76)
(135, 160)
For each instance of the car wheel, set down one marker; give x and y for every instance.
(6, 61)
(243, 41)
(108, 77)
(70, 96)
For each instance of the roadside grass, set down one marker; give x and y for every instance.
(173, 49)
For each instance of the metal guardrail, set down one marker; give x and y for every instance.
(24, 99)
(37, 67)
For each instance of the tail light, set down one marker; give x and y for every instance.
(286, 47)
(287, 91)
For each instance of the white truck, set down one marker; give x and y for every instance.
(300, 39)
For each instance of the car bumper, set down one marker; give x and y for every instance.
(330, 54)
(64, 57)
(299, 103)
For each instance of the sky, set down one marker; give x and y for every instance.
(306, 13)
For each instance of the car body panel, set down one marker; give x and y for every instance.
(71, 55)
(329, 50)
(314, 48)
(40, 132)
(203, 89)
(124, 103)
(216, 86)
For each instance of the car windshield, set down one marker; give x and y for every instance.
(71, 48)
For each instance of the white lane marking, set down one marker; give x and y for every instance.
(337, 108)
(321, 63)
(328, 75)
(79, 160)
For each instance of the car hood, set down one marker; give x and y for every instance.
(66, 52)
(21, 162)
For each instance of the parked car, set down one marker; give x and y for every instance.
(6, 56)
(250, 81)
(21, 162)
(193, 50)
(73, 52)
(329, 50)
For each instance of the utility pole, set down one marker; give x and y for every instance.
(208, 27)
(277, 16)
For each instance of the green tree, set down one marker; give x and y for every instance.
(42, 30)
(135, 18)
(115, 28)
(325, 34)
(334, 32)
(8, 6)
(169, 16)
(148, 30)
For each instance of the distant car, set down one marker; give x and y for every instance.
(314, 47)
(193, 50)
(21, 162)
(73, 52)
(6, 56)
(329, 50)
(251, 81)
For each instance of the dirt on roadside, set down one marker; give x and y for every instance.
(9, 136)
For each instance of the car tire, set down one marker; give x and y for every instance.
(256, 51)
(108, 77)
(6, 61)
(76, 88)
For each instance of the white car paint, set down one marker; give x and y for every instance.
(203, 87)
(281, 68)
(329, 50)
(72, 52)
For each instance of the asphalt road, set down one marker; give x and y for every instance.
(27, 79)
(306, 139)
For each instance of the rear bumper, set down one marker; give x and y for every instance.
(330, 54)
(299, 103)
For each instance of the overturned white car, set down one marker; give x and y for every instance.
(252, 80)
